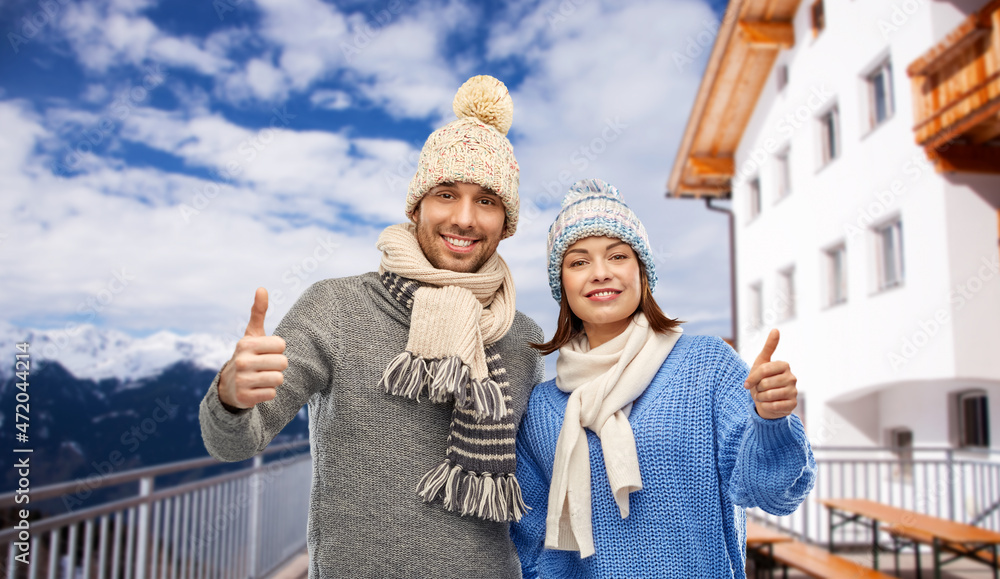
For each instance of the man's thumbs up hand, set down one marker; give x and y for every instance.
(253, 374)
(771, 384)
(255, 328)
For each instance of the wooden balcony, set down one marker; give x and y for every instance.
(956, 95)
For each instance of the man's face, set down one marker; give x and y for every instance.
(459, 226)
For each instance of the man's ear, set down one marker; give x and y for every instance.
(415, 215)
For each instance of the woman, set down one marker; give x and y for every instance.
(639, 459)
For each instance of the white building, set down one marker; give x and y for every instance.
(858, 143)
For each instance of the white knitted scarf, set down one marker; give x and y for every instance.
(454, 315)
(603, 383)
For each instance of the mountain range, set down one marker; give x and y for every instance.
(103, 400)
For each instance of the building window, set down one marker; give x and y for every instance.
(889, 242)
(786, 292)
(781, 76)
(818, 17)
(753, 196)
(880, 97)
(782, 175)
(829, 131)
(756, 306)
(836, 275)
(973, 419)
(901, 442)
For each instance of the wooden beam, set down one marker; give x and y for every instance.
(985, 131)
(773, 35)
(967, 159)
(703, 166)
(701, 190)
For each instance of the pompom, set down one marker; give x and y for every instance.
(485, 98)
(586, 187)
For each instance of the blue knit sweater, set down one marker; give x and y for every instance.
(704, 455)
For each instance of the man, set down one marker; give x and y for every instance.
(401, 488)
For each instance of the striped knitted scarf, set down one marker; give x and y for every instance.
(451, 355)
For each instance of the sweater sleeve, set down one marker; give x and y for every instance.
(528, 534)
(311, 347)
(764, 463)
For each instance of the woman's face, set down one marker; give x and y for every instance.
(600, 277)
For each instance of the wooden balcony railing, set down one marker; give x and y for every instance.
(956, 94)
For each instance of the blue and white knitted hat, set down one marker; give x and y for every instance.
(593, 208)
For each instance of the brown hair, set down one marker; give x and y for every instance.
(569, 325)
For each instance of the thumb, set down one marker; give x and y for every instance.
(769, 347)
(256, 326)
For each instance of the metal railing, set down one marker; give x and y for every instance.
(958, 485)
(241, 524)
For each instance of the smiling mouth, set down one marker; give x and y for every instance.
(604, 293)
(459, 245)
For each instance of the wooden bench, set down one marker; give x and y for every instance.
(958, 539)
(813, 561)
(914, 535)
(820, 563)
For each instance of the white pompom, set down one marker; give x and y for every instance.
(589, 187)
(486, 99)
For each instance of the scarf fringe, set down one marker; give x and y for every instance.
(409, 376)
(495, 498)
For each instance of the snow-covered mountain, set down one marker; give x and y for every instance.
(91, 353)
(101, 393)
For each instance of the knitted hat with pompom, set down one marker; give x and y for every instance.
(472, 149)
(593, 208)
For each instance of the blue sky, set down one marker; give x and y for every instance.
(160, 160)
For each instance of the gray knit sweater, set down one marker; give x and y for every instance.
(370, 449)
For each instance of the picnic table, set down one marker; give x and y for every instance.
(814, 561)
(942, 534)
(762, 539)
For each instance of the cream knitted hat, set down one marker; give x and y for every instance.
(472, 149)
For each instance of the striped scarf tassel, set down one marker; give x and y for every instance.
(410, 376)
(494, 498)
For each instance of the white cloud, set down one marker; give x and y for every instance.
(396, 61)
(334, 100)
(113, 223)
(299, 188)
(319, 174)
(104, 35)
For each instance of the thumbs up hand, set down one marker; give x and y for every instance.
(771, 384)
(253, 374)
